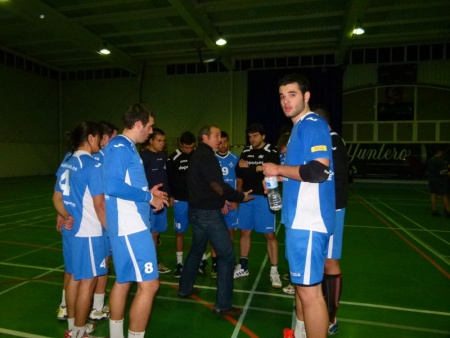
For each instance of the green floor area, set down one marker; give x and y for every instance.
(396, 271)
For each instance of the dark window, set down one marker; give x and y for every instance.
(170, 70)
(269, 63)
(370, 55)
(281, 62)
(357, 56)
(107, 73)
(293, 61)
(384, 55)
(246, 64)
(258, 63)
(80, 75)
(191, 68)
(213, 67)
(181, 68)
(201, 68)
(398, 54)
(329, 59)
(306, 60)
(437, 51)
(319, 60)
(424, 52)
(412, 53)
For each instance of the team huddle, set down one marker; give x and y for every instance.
(112, 192)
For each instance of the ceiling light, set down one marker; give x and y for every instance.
(359, 30)
(104, 50)
(221, 41)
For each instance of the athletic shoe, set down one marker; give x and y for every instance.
(233, 311)
(86, 335)
(194, 291)
(275, 279)
(289, 289)
(333, 328)
(288, 333)
(213, 274)
(162, 269)
(61, 313)
(89, 328)
(239, 272)
(178, 270)
(97, 315)
(435, 213)
(286, 277)
(202, 267)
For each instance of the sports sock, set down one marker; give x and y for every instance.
(179, 257)
(70, 323)
(300, 330)
(274, 269)
(78, 331)
(116, 328)
(204, 257)
(244, 262)
(331, 288)
(99, 299)
(132, 334)
(63, 298)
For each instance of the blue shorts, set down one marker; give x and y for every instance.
(134, 257)
(334, 247)
(256, 215)
(232, 218)
(158, 220)
(88, 257)
(305, 253)
(181, 220)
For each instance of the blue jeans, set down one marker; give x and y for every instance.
(210, 225)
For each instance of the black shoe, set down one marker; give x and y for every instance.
(202, 268)
(233, 311)
(195, 291)
(178, 270)
(435, 213)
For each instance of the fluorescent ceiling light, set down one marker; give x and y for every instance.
(221, 41)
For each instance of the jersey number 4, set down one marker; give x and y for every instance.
(64, 184)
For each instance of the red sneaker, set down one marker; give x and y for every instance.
(288, 333)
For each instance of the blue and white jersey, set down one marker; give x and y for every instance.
(228, 164)
(126, 190)
(309, 206)
(99, 156)
(79, 178)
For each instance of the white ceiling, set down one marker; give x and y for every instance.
(65, 34)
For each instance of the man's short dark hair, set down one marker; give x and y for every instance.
(187, 138)
(136, 112)
(224, 134)
(322, 111)
(301, 80)
(256, 128)
(156, 132)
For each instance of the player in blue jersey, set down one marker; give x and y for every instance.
(228, 162)
(79, 194)
(99, 309)
(308, 210)
(256, 215)
(177, 167)
(332, 279)
(128, 203)
(154, 160)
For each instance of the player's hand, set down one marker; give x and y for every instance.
(156, 192)
(232, 205)
(59, 223)
(68, 222)
(158, 202)
(248, 197)
(243, 163)
(225, 208)
(270, 169)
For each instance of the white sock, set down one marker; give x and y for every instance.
(179, 257)
(204, 257)
(116, 328)
(78, 331)
(273, 269)
(132, 334)
(70, 323)
(63, 299)
(300, 331)
(99, 299)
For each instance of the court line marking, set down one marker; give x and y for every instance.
(25, 212)
(20, 334)
(373, 210)
(410, 220)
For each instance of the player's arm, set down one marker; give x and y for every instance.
(64, 217)
(316, 171)
(99, 206)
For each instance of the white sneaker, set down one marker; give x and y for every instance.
(89, 328)
(96, 315)
(275, 279)
(289, 289)
(239, 272)
(61, 313)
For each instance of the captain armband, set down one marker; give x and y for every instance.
(314, 172)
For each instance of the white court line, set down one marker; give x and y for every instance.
(419, 241)
(237, 328)
(26, 212)
(21, 334)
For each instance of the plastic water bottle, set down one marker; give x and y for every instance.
(273, 193)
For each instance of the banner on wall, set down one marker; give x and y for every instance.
(390, 160)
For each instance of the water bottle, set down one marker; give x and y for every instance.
(273, 193)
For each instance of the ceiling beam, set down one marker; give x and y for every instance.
(203, 27)
(58, 25)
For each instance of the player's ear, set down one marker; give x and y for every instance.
(306, 96)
